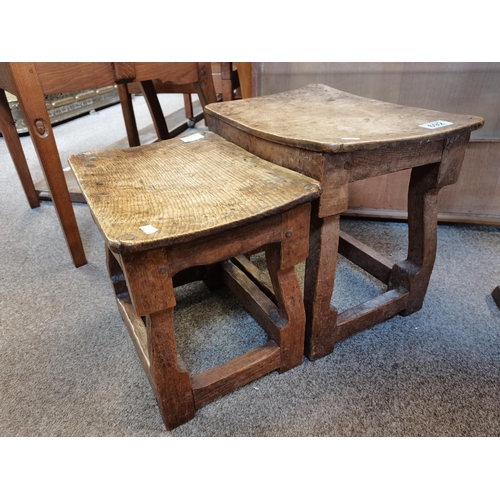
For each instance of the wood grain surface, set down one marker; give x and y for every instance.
(455, 87)
(185, 190)
(319, 118)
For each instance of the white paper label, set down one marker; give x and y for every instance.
(191, 138)
(437, 124)
(148, 229)
(350, 139)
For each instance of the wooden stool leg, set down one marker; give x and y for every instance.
(214, 276)
(414, 273)
(170, 375)
(321, 266)
(289, 298)
(150, 289)
(8, 129)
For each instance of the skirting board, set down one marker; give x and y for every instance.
(402, 215)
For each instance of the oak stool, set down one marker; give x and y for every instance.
(171, 211)
(338, 138)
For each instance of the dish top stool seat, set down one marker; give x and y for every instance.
(338, 138)
(169, 213)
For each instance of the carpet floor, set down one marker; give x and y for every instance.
(68, 366)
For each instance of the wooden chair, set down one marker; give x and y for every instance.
(9, 132)
(339, 138)
(169, 213)
(225, 79)
(31, 81)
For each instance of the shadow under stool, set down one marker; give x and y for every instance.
(496, 296)
(174, 212)
(338, 138)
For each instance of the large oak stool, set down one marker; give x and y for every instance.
(169, 212)
(338, 138)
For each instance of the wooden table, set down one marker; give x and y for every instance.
(29, 82)
(338, 138)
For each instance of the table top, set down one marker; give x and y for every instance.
(174, 191)
(319, 118)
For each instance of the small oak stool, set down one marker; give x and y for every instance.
(338, 138)
(169, 212)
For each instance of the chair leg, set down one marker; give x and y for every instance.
(128, 115)
(30, 95)
(226, 81)
(188, 108)
(8, 129)
(245, 78)
(159, 122)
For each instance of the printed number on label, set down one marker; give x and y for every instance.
(436, 124)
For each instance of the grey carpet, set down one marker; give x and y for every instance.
(68, 366)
